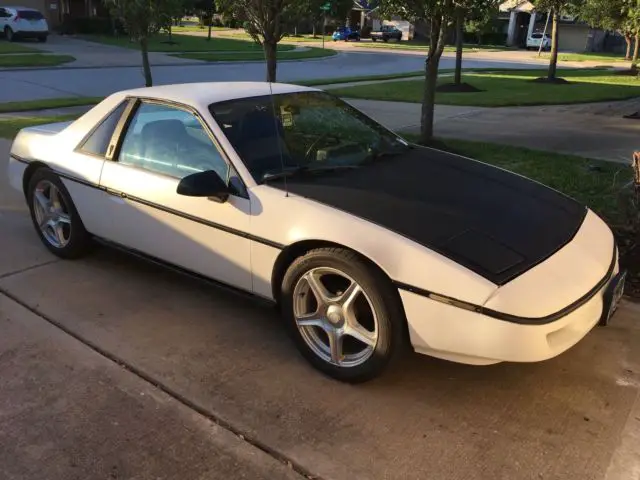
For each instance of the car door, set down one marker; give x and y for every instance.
(159, 145)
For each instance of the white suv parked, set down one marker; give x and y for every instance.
(533, 42)
(22, 22)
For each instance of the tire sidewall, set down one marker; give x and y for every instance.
(389, 316)
(79, 239)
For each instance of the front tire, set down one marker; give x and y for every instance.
(42, 38)
(9, 35)
(55, 217)
(344, 315)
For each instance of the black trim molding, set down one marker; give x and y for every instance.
(515, 318)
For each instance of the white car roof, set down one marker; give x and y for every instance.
(20, 8)
(205, 93)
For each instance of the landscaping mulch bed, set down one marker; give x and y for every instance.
(551, 81)
(453, 88)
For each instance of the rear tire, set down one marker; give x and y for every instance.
(42, 38)
(331, 294)
(55, 217)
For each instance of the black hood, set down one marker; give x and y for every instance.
(493, 222)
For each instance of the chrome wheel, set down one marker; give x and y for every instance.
(51, 214)
(335, 317)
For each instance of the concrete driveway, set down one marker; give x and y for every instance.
(114, 368)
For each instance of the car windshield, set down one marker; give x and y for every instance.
(302, 132)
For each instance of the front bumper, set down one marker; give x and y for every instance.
(451, 333)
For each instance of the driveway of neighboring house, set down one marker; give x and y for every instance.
(591, 130)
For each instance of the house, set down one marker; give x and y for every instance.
(55, 11)
(365, 13)
(521, 20)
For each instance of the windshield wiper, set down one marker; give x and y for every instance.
(290, 172)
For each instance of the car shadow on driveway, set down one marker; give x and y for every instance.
(231, 357)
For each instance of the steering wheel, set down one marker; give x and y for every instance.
(317, 141)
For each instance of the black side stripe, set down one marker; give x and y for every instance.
(168, 210)
(515, 318)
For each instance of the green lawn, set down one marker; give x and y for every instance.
(249, 56)
(183, 43)
(34, 60)
(509, 88)
(362, 78)
(566, 173)
(47, 103)
(197, 28)
(386, 76)
(9, 127)
(587, 57)
(307, 38)
(7, 47)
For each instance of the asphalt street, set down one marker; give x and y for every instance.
(19, 85)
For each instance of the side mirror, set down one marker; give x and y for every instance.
(204, 184)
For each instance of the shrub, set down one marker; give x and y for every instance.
(91, 25)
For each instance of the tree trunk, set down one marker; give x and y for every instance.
(170, 37)
(144, 49)
(553, 62)
(459, 43)
(636, 50)
(314, 29)
(628, 39)
(271, 51)
(436, 47)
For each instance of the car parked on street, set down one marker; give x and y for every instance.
(364, 241)
(23, 22)
(346, 34)
(534, 41)
(386, 33)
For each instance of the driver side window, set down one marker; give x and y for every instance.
(170, 141)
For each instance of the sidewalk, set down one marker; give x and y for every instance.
(69, 412)
(590, 130)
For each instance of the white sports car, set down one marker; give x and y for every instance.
(362, 239)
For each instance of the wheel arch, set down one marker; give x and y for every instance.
(289, 254)
(28, 173)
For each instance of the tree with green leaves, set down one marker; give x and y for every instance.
(610, 15)
(438, 15)
(631, 12)
(265, 22)
(555, 8)
(465, 9)
(141, 20)
(480, 23)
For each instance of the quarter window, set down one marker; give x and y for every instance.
(98, 142)
(170, 141)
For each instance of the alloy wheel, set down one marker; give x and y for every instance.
(51, 213)
(335, 317)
